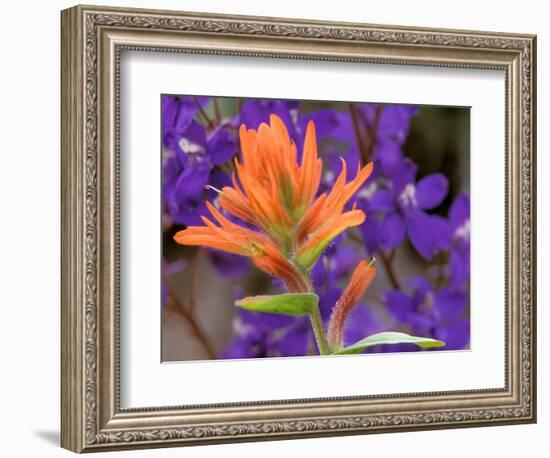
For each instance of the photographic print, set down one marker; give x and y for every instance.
(301, 228)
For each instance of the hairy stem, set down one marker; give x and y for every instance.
(317, 323)
(319, 331)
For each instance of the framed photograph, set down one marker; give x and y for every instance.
(278, 228)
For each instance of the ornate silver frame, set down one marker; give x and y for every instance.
(92, 40)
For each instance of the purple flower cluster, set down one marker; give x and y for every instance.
(403, 207)
(194, 156)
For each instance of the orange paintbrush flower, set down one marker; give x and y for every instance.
(276, 195)
(362, 277)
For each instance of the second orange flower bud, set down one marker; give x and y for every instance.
(362, 277)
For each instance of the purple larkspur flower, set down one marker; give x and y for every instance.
(403, 202)
(187, 170)
(192, 160)
(431, 313)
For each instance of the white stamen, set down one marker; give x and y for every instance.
(190, 147)
(408, 196)
(368, 191)
(463, 232)
(240, 328)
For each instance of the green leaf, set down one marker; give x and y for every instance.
(389, 338)
(295, 304)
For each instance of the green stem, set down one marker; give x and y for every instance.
(318, 330)
(316, 321)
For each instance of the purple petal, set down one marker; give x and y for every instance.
(460, 268)
(427, 233)
(370, 231)
(325, 120)
(169, 114)
(185, 114)
(381, 200)
(404, 174)
(399, 305)
(460, 210)
(394, 121)
(252, 114)
(186, 201)
(295, 341)
(344, 132)
(421, 323)
(421, 287)
(449, 304)
(389, 156)
(194, 139)
(392, 231)
(221, 147)
(171, 170)
(431, 190)
(188, 108)
(177, 116)
(192, 181)
(441, 232)
(456, 334)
